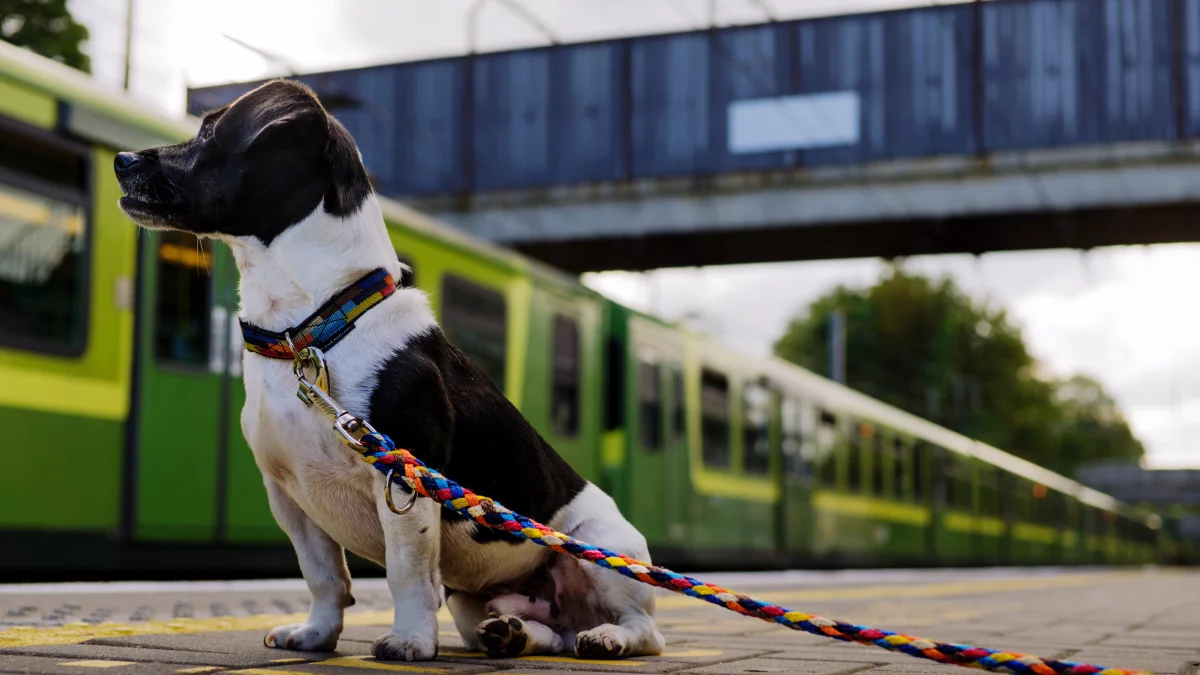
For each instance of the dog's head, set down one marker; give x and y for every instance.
(257, 166)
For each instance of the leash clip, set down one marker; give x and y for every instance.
(315, 392)
(351, 427)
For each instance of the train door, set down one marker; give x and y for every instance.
(179, 421)
(797, 429)
(562, 396)
(658, 436)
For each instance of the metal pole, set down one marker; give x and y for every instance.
(472, 25)
(837, 346)
(128, 40)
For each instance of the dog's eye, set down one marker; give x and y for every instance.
(205, 133)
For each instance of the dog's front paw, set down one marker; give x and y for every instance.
(601, 642)
(306, 637)
(393, 647)
(503, 636)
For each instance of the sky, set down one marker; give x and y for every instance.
(1122, 315)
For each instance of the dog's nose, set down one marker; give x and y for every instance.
(126, 161)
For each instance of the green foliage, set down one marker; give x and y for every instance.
(924, 346)
(45, 27)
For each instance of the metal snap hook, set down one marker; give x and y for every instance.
(387, 495)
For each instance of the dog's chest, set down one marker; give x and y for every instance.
(296, 446)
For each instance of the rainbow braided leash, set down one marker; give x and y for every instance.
(380, 452)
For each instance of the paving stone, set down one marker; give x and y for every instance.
(1135, 659)
(358, 665)
(915, 667)
(245, 643)
(1187, 643)
(111, 653)
(863, 654)
(41, 665)
(783, 641)
(780, 666)
(641, 664)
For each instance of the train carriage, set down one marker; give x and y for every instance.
(120, 357)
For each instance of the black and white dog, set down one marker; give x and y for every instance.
(283, 184)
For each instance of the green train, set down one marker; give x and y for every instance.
(121, 455)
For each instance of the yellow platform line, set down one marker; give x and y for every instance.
(74, 633)
(950, 588)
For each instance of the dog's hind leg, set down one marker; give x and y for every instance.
(625, 606)
(411, 542)
(517, 627)
(323, 563)
(468, 610)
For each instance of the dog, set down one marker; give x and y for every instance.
(282, 182)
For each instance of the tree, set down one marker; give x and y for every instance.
(47, 28)
(1097, 428)
(924, 346)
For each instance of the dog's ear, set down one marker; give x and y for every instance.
(349, 184)
(296, 123)
(279, 108)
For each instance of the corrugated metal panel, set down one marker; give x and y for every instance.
(363, 101)
(428, 112)
(670, 88)
(748, 63)
(911, 71)
(587, 111)
(512, 119)
(1191, 67)
(1060, 72)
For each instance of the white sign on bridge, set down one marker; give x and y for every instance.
(797, 122)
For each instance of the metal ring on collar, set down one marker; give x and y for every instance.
(387, 495)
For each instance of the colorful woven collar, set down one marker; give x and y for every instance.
(328, 324)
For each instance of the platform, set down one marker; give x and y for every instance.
(1145, 619)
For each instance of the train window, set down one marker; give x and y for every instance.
(792, 444)
(1025, 503)
(408, 278)
(714, 416)
(43, 240)
(1056, 509)
(678, 409)
(827, 443)
(48, 160)
(989, 490)
(650, 401)
(564, 392)
(756, 429)
(860, 449)
(183, 299)
(921, 484)
(474, 319)
(614, 384)
(955, 486)
(878, 460)
(900, 473)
